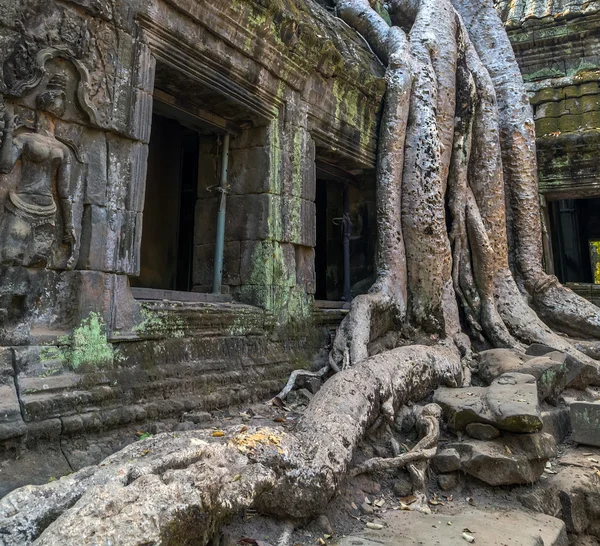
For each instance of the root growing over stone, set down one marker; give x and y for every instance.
(459, 258)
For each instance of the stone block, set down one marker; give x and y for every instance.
(140, 119)
(305, 268)
(523, 462)
(448, 481)
(208, 167)
(110, 240)
(585, 422)
(551, 370)
(255, 136)
(256, 262)
(144, 68)
(557, 422)
(256, 294)
(119, 170)
(250, 170)
(92, 148)
(205, 222)
(254, 216)
(204, 256)
(509, 403)
(137, 182)
(284, 265)
(299, 169)
(482, 431)
(446, 460)
(299, 218)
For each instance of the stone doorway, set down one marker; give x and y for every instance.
(575, 236)
(345, 209)
(169, 207)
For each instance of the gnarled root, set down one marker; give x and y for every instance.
(428, 424)
(291, 383)
(191, 481)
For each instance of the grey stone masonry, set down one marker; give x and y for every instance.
(585, 421)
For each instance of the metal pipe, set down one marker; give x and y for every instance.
(347, 227)
(220, 242)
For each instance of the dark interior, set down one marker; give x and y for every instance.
(574, 223)
(171, 193)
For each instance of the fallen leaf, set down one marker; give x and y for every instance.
(237, 478)
(218, 433)
(326, 536)
(243, 429)
(408, 500)
(508, 450)
(375, 526)
(321, 541)
(279, 420)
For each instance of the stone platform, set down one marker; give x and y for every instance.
(185, 356)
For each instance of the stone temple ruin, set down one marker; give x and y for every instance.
(187, 205)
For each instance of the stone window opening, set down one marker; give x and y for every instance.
(184, 161)
(574, 226)
(346, 236)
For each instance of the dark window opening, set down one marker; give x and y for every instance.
(575, 235)
(329, 253)
(343, 273)
(170, 200)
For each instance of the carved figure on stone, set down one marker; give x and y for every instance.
(27, 227)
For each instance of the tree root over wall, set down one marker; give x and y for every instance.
(187, 484)
(459, 259)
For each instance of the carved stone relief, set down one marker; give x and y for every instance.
(42, 194)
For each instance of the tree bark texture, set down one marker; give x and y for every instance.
(459, 259)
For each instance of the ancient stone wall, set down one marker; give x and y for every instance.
(557, 47)
(84, 365)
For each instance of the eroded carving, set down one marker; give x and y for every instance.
(27, 227)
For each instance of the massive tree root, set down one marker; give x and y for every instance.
(459, 259)
(187, 484)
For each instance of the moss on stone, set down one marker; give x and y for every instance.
(87, 346)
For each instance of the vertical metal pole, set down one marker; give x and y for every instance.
(347, 231)
(220, 242)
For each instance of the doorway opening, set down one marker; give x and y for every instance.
(575, 235)
(169, 207)
(346, 236)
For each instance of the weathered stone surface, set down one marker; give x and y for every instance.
(481, 431)
(585, 422)
(557, 421)
(447, 460)
(511, 459)
(551, 370)
(448, 481)
(571, 492)
(509, 403)
(496, 528)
